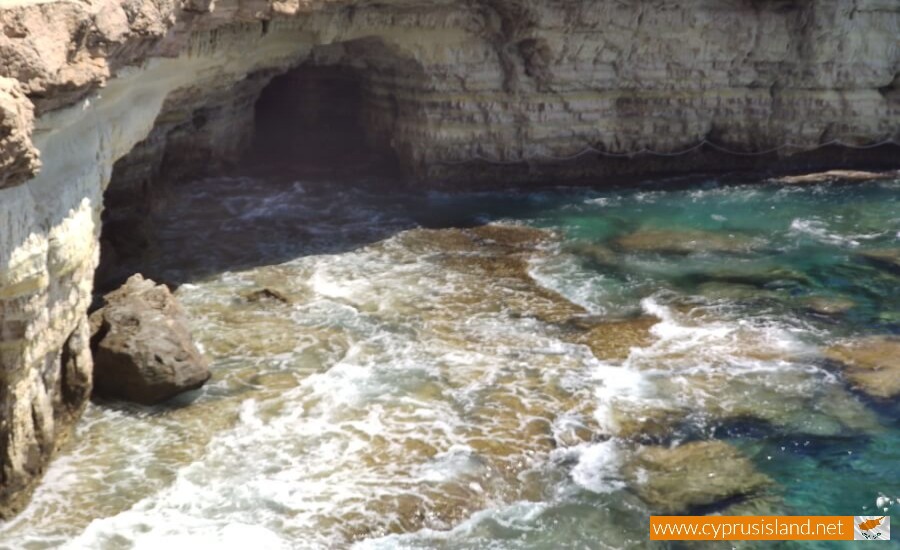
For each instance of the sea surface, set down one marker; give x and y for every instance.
(489, 369)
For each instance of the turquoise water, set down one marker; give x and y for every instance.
(431, 383)
(813, 236)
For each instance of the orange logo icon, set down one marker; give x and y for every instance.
(871, 523)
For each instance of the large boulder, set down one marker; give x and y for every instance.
(143, 350)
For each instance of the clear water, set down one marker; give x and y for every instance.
(427, 388)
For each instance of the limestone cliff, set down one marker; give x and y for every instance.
(458, 89)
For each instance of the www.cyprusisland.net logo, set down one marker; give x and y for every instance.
(871, 527)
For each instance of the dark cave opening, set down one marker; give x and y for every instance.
(321, 122)
(316, 124)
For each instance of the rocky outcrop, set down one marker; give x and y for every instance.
(18, 157)
(142, 346)
(138, 92)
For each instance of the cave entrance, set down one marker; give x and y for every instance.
(320, 121)
(317, 123)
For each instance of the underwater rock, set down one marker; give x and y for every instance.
(675, 480)
(267, 294)
(717, 290)
(825, 305)
(672, 241)
(494, 238)
(871, 365)
(613, 339)
(498, 253)
(143, 350)
(644, 422)
(512, 236)
(597, 253)
(888, 258)
(753, 275)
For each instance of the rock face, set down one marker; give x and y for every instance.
(18, 157)
(123, 95)
(38, 407)
(142, 347)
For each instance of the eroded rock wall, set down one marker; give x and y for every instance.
(173, 82)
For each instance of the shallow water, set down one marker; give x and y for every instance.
(438, 383)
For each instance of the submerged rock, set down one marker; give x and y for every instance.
(872, 365)
(887, 258)
(825, 305)
(754, 275)
(596, 253)
(672, 241)
(644, 422)
(142, 347)
(716, 290)
(675, 480)
(267, 294)
(498, 253)
(614, 339)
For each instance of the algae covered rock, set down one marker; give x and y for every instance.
(824, 305)
(143, 350)
(682, 242)
(887, 258)
(700, 474)
(871, 365)
(613, 339)
(593, 252)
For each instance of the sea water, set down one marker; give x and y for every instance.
(422, 385)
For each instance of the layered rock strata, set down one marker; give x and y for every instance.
(459, 90)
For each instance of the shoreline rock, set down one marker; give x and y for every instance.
(143, 350)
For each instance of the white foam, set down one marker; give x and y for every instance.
(819, 230)
(598, 467)
(175, 531)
